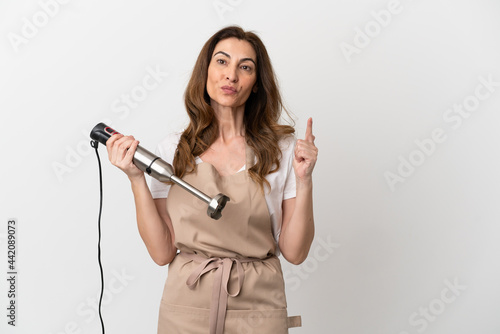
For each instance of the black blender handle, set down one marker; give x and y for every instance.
(101, 132)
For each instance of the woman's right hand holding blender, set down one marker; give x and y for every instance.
(121, 150)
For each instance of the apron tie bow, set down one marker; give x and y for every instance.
(220, 290)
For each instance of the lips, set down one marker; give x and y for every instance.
(228, 89)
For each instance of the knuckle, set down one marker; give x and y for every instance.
(123, 144)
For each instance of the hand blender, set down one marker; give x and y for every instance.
(155, 167)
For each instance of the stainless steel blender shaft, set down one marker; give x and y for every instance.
(163, 171)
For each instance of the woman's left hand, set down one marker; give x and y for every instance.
(306, 154)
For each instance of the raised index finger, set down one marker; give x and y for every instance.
(309, 131)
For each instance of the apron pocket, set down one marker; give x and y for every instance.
(194, 320)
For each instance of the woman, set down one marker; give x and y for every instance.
(226, 276)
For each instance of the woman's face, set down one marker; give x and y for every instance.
(232, 73)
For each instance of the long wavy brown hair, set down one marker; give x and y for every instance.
(263, 111)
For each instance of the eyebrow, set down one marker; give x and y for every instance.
(242, 60)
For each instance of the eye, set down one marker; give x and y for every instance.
(246, 68)
(221, 61)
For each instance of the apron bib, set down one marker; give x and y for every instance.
(226, 278)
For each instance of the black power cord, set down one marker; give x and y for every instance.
(95, 144)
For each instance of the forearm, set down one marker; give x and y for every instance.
(297, 235)
(154, 230)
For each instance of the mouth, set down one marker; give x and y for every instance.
(229, 90)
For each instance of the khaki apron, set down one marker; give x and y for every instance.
(226, 278)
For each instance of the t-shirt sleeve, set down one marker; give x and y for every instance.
(282, 185)
(166, 151)
(289, 190)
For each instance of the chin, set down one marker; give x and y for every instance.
(229, 104)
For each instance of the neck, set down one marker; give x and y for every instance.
(230, 122)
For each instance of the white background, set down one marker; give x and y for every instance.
(383, 257)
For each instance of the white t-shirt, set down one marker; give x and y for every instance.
(282, 181)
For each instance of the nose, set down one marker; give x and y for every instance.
(231, 74)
